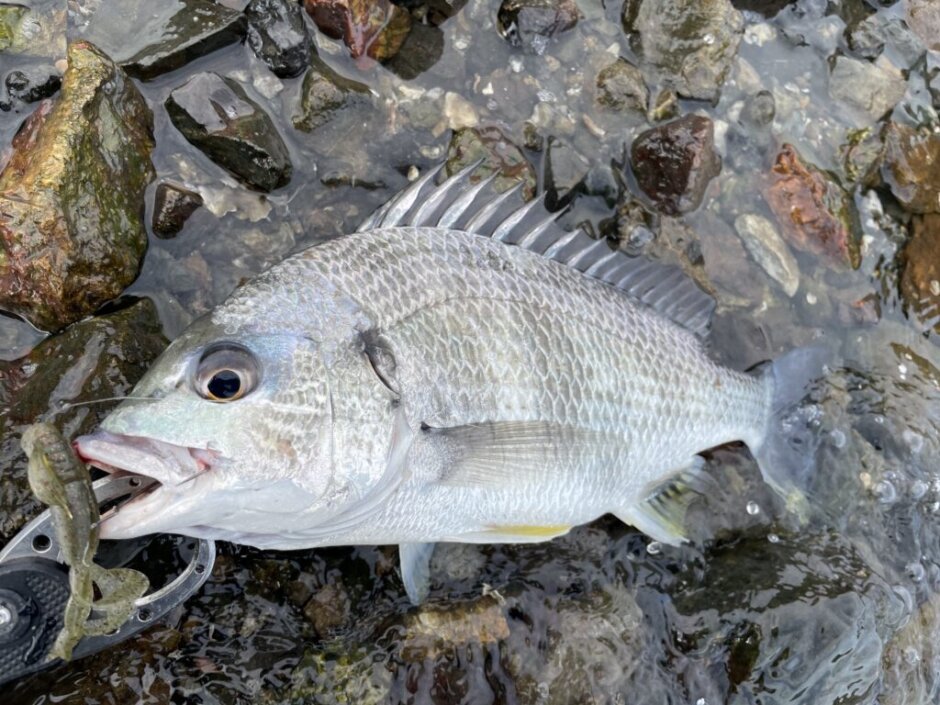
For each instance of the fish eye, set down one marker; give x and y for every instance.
(227, 372)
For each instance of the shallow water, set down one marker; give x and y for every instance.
(842, 607)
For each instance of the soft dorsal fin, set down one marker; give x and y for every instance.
(459, 204)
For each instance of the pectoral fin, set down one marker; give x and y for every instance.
(661, 516)
(415, 561)
(492, 454)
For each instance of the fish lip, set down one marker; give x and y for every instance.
(178, 471)
(167, 463)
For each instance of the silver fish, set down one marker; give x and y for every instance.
(459, 369)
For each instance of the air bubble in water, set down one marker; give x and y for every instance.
(885, 492)
(773, 538)
(918, 489)
(654, 548)
(753, 508)
(915, 571)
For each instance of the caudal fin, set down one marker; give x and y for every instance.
(787, 454)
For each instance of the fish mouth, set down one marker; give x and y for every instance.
(172, 471)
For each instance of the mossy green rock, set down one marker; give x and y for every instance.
(93, 359)
(35, 28)
(71, 230)
(690, 44)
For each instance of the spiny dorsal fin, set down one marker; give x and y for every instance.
(459, 204)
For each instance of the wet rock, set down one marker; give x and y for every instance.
(768, 249)
(912, 659)
(529, 24)
(28, 84)
(754, 647)
(814, 212)
(870, 89)
(149, 39)
(498, 155)
(35, 28)
(219, 119)
(422, 49)
(923, 17)
(328, 609)
(633, 227)
(172, 207)
(862, 156)
(871, 36)
(620, 86)
(433, 630)
(663, 106)
(911, 167)
(920, 280)
(71, 232)
(96, 358)
(278, 35)
(675, 162)
(325, 93)
(11, 17)
(690, 44)
(865, 311)
(565, 172)
(374, 28)
(459, 112)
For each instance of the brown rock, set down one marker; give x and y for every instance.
(328, 609)
(814, 212)
(529, 24)
(172, 207)
(71, 227)
(374, 28)
(433, 630)
(912, 167)
(920, 280)
(675, 162)
(923, 17)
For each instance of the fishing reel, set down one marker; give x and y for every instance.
(34, 585)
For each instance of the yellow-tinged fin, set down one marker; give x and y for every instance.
(529, 531)
(661, 516)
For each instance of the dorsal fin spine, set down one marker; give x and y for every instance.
(665, 288)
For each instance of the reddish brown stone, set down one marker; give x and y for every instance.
(374, 28)
(814, 212)
(920, 280)
(675, 162)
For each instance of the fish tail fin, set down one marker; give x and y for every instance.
(786, 454)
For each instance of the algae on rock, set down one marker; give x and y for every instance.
(72, 235)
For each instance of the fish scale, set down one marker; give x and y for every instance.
(418, 383)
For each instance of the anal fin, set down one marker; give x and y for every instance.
(661, 516)
(415, 559)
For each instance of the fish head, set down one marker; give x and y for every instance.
(239, 429)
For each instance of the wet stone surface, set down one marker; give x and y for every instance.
(71, 232)
(814, 212)
(94, 359)
(278, 34)
(149, 40)
(674, 163)
(529, 24)
(172, 206)
(217, 116)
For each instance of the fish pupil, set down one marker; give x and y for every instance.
(224, 384)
